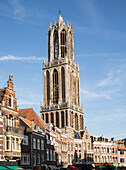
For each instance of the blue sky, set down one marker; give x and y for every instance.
(100, 49)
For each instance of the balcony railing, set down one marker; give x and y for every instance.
(61, 106)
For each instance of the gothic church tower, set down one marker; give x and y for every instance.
(61, 79)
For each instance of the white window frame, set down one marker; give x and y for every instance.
(42, 144)
(47, 152)
(50, 155)
(27, 155)
(34, 143)
(9, 143)
(38, 144)
(25, 140)
(34, 159)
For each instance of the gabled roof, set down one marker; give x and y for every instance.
(31, 115)
(117, 143)
(28, 122)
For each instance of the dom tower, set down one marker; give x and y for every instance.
(61, 80)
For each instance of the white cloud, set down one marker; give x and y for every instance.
(12, 57)
(94, 95)
(113, 78)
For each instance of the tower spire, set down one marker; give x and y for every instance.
(59, 11)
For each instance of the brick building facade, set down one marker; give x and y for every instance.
(10, 132)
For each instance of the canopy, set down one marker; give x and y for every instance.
(102, 167)
(2, 167)
(73, 167)
(14, 167)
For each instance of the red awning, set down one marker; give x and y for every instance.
(73, 167)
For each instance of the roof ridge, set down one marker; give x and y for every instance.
(39, 118)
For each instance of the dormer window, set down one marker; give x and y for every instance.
(10, 101)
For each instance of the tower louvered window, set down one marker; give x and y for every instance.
(55, 87)
(63, 83)
(56, 44)
(63, 43)
(48, 87)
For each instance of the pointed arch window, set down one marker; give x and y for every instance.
(55, 87)
(63, 43)
(76, 121)
(48, 86)
(56, 45)
(63, 83)
(10, 100)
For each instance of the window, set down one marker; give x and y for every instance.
(25, 140)
(68, 158)
(84, 146)
(86, 136)
(107, 150)
(95, 158)
(108, 159)
(112, 150)
(68, 146)
(121, 144)
(63, 43)
(56, 42)
(98, 158)
(38, 161)
(8, 143)
(48, 86)
(34, 143)
(38, 143)
(34, 159)
(17, 144)
(102, 150)
(88, 146)
(42, 144)
(79, 147)
(50, 155)
(121, 160)
(94, 149)
(47, 152)
(122, 152)
(76, 148)
(13, 143)
(97, 149)
(54, 156)
(69, 134)
(71, 158)
(55, 87)
(25, 159)
(42, 158)
(10, 100)
(71, 146)
(63, 83)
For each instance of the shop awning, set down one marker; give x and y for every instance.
(14, 167)
(2, 167)
(102, 167)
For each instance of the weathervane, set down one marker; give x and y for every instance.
(59, 11)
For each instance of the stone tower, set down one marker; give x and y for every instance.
(61, 79)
